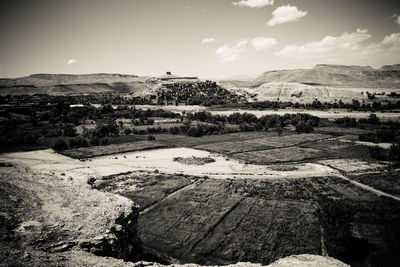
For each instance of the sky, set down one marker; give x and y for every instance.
(213, 39)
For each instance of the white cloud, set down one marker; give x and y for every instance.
(348, 47)
(72, 61)
(261, 43)
(232, 52)
(208, 41)
(254, 3)
(329, 44)
(285, 14)
(395, 17)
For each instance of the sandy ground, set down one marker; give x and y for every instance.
(303, 260)
(162, 160)
(381, 145)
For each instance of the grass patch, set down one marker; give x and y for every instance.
(194, 160)
(96, 151)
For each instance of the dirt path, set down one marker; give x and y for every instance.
(369, 188)
(341, 174)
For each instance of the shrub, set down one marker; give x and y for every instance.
(377, 153)
(69, 130)
(346, 122)
(385, 135)
(279, 130)
(367, 137)
(304, 127)
(174, 130)
(60, 144)
(194, 132)
(91, 181)
(394, 152)
(150, 138)
(104, 141)
(94, 141)
(372, 119)
(127, 131)
(30, 138)
(78, 142)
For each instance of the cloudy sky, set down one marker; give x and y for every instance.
(205, 38)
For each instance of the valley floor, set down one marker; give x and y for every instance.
(265, 197)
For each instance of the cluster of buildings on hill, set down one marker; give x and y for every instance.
(175, 90)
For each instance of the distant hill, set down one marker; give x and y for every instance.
(298, 92)
(336, 75)
(72, 84)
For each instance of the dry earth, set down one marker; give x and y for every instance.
(54, 218)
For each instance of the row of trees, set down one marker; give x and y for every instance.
(353, 122)
(79, 141)
(316, 104)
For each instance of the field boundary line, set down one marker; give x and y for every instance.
(342, 174)
(151, 207)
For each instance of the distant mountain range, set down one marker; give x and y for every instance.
(321, 75)
(73, 84)
(335, 75)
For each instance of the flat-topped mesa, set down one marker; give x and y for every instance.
(48, 76)
(391, 67)
(336, 75)
(332, 67)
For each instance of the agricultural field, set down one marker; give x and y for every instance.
(94, 151)
(224, 219)
(258, 194)
(268, 141)
(387, 180)
(211, 221)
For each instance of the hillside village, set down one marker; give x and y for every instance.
(174, 90)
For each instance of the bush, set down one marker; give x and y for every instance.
(60, 144)
(174, 130)
(91, 181)
(372, 119)
(377, 153)
(104, 141)
(150, 138)
(69, 130)
(385, 135)
(94, 141)
(367, 137)
(304, 127)
(394, 152)
(30, 138)
(194, 132)
(346, 122)
(127, 131)
(78, 142)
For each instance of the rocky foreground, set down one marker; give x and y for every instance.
(51, 216)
